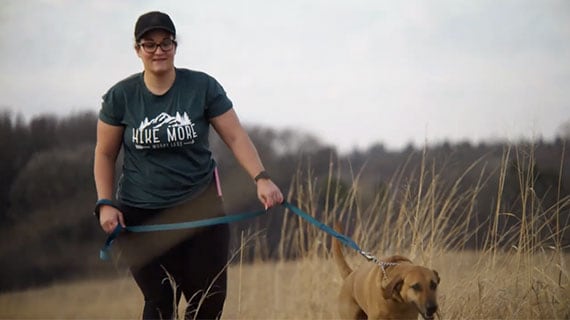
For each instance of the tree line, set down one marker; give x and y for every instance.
(47, 192)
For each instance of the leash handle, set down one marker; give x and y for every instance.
(104, 252)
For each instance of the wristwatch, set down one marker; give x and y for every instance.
(262, 175)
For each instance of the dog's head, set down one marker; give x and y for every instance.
(415, 285)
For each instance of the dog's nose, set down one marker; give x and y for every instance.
(431, 308)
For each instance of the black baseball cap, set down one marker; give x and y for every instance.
(151, 21)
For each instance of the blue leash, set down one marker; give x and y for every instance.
(104, 253)
(341, 237)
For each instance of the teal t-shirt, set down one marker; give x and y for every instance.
(167, 157)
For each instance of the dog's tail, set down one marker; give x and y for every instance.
(343, 267)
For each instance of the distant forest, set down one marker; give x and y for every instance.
(48, 232)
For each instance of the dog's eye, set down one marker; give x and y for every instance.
(417, 287)
(433, 285)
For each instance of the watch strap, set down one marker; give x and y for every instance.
(262, 175)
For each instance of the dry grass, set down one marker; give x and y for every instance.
(521, 272)
(307, 289)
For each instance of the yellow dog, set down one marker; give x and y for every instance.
(392, 289)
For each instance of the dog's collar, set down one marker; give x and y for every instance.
(383, 265)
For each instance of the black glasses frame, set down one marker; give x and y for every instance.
(151, 46)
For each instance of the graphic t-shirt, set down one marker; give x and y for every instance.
(167, 158)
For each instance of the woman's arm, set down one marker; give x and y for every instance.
(109, 140)
(236, 138)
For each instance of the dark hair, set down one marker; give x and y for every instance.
(151, 21)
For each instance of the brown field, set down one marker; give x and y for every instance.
(471, 288)
(521, 272)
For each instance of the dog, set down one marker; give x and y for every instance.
(394, 288)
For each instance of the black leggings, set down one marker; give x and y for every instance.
(167, 264)
(196, 268)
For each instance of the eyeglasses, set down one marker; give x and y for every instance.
(165, 45)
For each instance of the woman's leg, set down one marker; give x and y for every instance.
(161, 295)
(197, 268)
(150, 259)
(203, 276)
(194, 259)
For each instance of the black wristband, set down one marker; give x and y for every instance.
(262, 175)
(100, 203)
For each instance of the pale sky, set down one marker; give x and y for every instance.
(352, 73)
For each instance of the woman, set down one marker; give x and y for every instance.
(161, 118)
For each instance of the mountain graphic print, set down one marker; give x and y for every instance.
(164, 131)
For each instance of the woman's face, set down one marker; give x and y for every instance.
(156, 50)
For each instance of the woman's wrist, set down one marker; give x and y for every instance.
(102, 202)
(263, 175)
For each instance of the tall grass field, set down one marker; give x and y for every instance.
(517, 272)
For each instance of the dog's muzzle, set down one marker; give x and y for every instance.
(431, 309)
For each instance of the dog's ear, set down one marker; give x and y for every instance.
(437, 276)
(392, 290)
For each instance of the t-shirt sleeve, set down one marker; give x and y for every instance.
(217, 102)
(112, 108)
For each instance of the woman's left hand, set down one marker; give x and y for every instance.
(268, 193)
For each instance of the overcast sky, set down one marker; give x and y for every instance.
(353, 73)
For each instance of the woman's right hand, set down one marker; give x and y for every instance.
(109, 218)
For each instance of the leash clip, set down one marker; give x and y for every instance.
(375, 260)
(370, 257)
